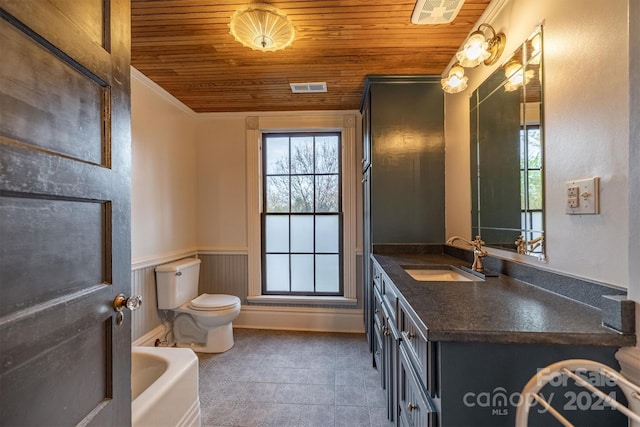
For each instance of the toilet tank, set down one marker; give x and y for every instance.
(177, 282)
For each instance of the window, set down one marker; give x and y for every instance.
(302, 214)
(531, 183)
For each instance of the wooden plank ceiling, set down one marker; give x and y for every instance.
(186, 48)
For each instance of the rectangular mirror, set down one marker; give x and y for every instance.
(507, 180)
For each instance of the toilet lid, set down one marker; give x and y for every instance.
(214, 302)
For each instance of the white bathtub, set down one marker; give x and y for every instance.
(164, 387)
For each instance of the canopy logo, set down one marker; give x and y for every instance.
(500, 402)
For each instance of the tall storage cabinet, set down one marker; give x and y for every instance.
(403, 182)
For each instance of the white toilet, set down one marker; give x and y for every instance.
(202, 323)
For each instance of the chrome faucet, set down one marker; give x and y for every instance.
(478, 251)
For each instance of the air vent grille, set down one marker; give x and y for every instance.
(435, 11)
(315, 87)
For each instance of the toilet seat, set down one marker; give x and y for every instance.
(214, 302)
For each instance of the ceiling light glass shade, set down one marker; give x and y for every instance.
(516, 76)
(456, 81)
(262, 27)
(475, 51)
(478, 48)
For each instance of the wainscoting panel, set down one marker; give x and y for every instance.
(224, 274)
(145, 318)
(227, 273)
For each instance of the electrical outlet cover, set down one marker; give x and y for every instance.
(587, 199)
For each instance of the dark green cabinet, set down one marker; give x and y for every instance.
(454, 383)
(403, 168)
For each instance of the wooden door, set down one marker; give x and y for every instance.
(64, 212)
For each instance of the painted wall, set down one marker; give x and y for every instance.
(222, 182)
(163, 181)
(586, 85)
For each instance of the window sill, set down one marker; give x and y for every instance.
(302, 299)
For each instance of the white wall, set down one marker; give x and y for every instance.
(586, 84)
(163, 181)
(222, 182)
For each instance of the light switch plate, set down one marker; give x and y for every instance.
(583, 196)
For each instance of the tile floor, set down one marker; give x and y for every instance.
(284, 378)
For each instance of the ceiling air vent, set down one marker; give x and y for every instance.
(435, 11)
(316, 87)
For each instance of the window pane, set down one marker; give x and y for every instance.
(327, 273)
(277, 233)
(523, 191)
(534, 148)
(302, 273)
(301, 233)
(302, 155)
(536, 220)
(277, 196)
(535, 189)
(302, 193)
(327, 191)
(327, 154)
(327, 233)
(277, 272)
(277, 155)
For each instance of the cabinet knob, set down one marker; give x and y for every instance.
(410, 335)
(411, 406)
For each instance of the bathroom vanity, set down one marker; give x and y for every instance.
(458, 353)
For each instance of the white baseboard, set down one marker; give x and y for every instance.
(149, 339)
(317, 319)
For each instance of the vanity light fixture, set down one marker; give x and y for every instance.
(516, 76)
(479, 48)
(456, 81)
(262, 27)
(536, 49)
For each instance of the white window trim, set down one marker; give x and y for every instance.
(328, 122)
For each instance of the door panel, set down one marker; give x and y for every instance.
(65, 243)
(57, 100)
(64, 212)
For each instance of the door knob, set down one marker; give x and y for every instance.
(121, 302)
(132, 303)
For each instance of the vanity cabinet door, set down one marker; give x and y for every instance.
(391, 341)
(414, 408)
(378, 327)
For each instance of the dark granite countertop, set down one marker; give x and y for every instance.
(497, 310)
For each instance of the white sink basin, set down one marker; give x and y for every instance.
(440, 274)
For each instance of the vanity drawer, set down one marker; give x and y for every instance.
(421, 352)
(378, 313)
(414, 406)
(376, 276)
(390, 297)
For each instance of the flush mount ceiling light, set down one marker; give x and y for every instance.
(479, 48)
(456, 81)
(516, 76)
(262, 27)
